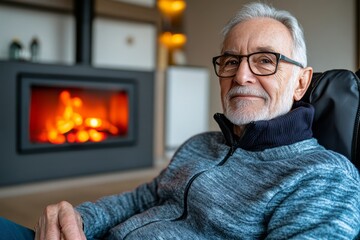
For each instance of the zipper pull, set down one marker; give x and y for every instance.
(229, 154)
(232, 150)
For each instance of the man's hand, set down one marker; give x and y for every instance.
(60, 221)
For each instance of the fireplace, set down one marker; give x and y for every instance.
(67, 121)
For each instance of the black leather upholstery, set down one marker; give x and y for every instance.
(335, 96)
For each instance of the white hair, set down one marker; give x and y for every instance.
(261, 10)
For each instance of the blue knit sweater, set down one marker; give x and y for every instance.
(276, 182)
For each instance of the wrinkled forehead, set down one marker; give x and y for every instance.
(259, 34)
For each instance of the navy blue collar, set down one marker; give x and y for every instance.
(295, 126)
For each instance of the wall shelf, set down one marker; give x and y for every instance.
(104, 8)
(119, 29)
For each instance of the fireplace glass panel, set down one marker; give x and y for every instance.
(77, 115)
(71, 113)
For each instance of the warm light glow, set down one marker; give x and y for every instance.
(82, 136)
(96, 136)
(171, 7)
(55, 138)
(93, 122)
(170, 40)
(77, 119)
(74, 122)
(76, 102)
(64, 126)
(113, 130)
(64, 96)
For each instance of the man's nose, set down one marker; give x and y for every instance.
(244, 75)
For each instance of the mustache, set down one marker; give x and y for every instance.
(239, 90)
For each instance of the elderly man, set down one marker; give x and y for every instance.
(264, 176)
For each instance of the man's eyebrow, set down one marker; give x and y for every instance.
(265, 49)
(257, 49)
(229, 53)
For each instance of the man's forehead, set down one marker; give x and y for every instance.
(259, 34)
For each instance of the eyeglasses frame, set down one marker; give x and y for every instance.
(279, 57)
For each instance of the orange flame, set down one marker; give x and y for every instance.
(70, 125)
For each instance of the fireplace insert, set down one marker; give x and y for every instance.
(64, 121)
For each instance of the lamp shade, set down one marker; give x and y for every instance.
(171, 8)
(173, 40)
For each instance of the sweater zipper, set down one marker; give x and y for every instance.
(188, 185)
(229, 154)
(186, 192)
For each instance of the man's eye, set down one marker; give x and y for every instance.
(231, 62)
(265, 60)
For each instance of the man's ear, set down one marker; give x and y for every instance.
(303, 83)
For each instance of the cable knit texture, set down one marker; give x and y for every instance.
(276, 182)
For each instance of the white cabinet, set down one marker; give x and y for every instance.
(186, 106)
(122, 44)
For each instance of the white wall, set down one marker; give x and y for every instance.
(330, 31)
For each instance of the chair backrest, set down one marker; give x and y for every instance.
(335, 94)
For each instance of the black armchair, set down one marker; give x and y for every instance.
(335, 96)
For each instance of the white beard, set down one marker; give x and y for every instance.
(238, 112)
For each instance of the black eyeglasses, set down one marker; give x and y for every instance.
(260, 63)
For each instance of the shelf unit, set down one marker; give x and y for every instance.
(103, 8)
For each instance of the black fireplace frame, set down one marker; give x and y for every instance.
(18, 167)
